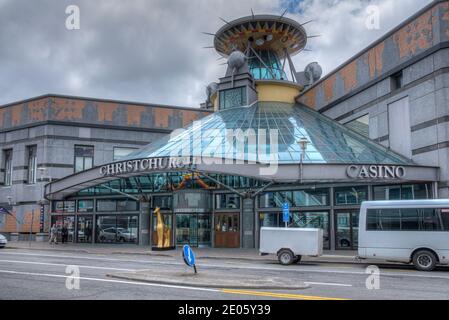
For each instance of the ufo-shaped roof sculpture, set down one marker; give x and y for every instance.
(267, 32)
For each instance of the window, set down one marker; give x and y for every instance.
(32, 164)
(127, 205)
(351, 195)
(120, 153)
(360, 125)
(64, 206)
(232, 98)
(403, 192)
(84, 158)
(408, 220)
(106, 205)
(397, 81)
(85, 205)
(7, 155)
(227, 201)
(300, 198)
(163, 202)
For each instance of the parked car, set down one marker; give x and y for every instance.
(117, 234)
(3, 241)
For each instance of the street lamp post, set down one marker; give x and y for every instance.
(303, 142)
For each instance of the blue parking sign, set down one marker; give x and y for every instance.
(189, 257)
(286, 212)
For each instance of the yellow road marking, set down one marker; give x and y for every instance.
(278, 295)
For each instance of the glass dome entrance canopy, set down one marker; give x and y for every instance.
(219, 136)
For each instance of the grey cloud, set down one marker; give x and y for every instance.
(149, 50)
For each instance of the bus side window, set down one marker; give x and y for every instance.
(445, 219)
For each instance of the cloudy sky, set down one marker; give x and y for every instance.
(152, 50)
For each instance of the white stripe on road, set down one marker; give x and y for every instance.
(301, 269)
(65, 265)
(108, 280)
(328, 284)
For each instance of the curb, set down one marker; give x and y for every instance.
(326, 259)
(210, 286)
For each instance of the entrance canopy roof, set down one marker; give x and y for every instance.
(231, 142)
(218, 136)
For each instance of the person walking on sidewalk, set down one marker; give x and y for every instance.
(53, 235)
(64, 233)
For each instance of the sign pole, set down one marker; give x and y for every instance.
(31, 227)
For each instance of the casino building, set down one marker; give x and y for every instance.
(376, 128)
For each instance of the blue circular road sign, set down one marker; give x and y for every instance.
(188, 255)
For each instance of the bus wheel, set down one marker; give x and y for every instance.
(424, 260)
(286, 257)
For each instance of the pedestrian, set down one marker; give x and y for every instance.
(53, 235)
(64, 233)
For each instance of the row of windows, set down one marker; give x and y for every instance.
(408, 220)
(84, 159)
(344, 196)
(84, 206)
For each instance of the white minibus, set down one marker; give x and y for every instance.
(405, 231)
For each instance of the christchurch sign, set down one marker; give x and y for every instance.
(145, 165)
(376, 172)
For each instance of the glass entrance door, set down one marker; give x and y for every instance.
(187, 229)
(347, 230)
(84, 229)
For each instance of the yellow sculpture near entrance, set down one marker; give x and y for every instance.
(163, 231)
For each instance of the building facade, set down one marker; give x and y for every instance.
(266, 138)
(47, 138)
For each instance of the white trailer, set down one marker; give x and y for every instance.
(291, 244)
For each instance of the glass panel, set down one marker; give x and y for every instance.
(318, 220)
(227, 201)
(127, 229)
(85, 205)
(163, 202)
(186, 230)
(355, 230)
(344, 239)
(204, 230)
(106, 205)
(269, 220)
(106, 229)
(350, 195)
(329, 142)
(85, 229)
(409, 219)
(127, 205)
(360, 125)
(121, 153)
(445, 219)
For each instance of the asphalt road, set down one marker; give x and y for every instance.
(42, 275)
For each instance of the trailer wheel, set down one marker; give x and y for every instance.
(286, 257)
(297, 259)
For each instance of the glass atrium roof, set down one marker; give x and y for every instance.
(218, 136)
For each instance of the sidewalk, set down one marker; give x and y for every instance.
(201, 253)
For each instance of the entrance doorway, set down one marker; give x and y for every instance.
(347, 230)
(193, 229)
(227, 230)
(69, 222)
(85, 225)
